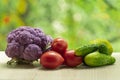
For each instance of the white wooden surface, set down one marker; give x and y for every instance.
(36, 72)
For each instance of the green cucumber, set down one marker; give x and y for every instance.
(86, 49)
(101, 45)
(97, 59)
(104, 46)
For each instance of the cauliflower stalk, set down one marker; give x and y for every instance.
(26, 44)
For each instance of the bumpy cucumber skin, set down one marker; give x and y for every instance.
(86, 49)
(104, 46)
(96, 59)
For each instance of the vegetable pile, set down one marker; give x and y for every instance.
(26, 45)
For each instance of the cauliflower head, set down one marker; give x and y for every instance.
(27, 43)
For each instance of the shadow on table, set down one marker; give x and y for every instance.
(80, 67)
(20, 66)
(39, 67)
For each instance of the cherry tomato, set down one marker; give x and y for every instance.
(72, 60)
(51, 60)
(59, 45)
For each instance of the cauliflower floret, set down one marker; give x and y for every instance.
(27, 43)
(32, 52)
(24, 37)
(13, 50)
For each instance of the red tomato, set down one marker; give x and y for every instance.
(59, 45)
(72, 60)
(51, 60)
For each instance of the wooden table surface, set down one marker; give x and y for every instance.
(36, 72)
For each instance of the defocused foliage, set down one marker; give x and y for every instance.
(75, 20)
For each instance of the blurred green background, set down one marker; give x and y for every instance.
(77, 21)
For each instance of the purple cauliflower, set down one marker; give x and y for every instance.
(26, 43)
